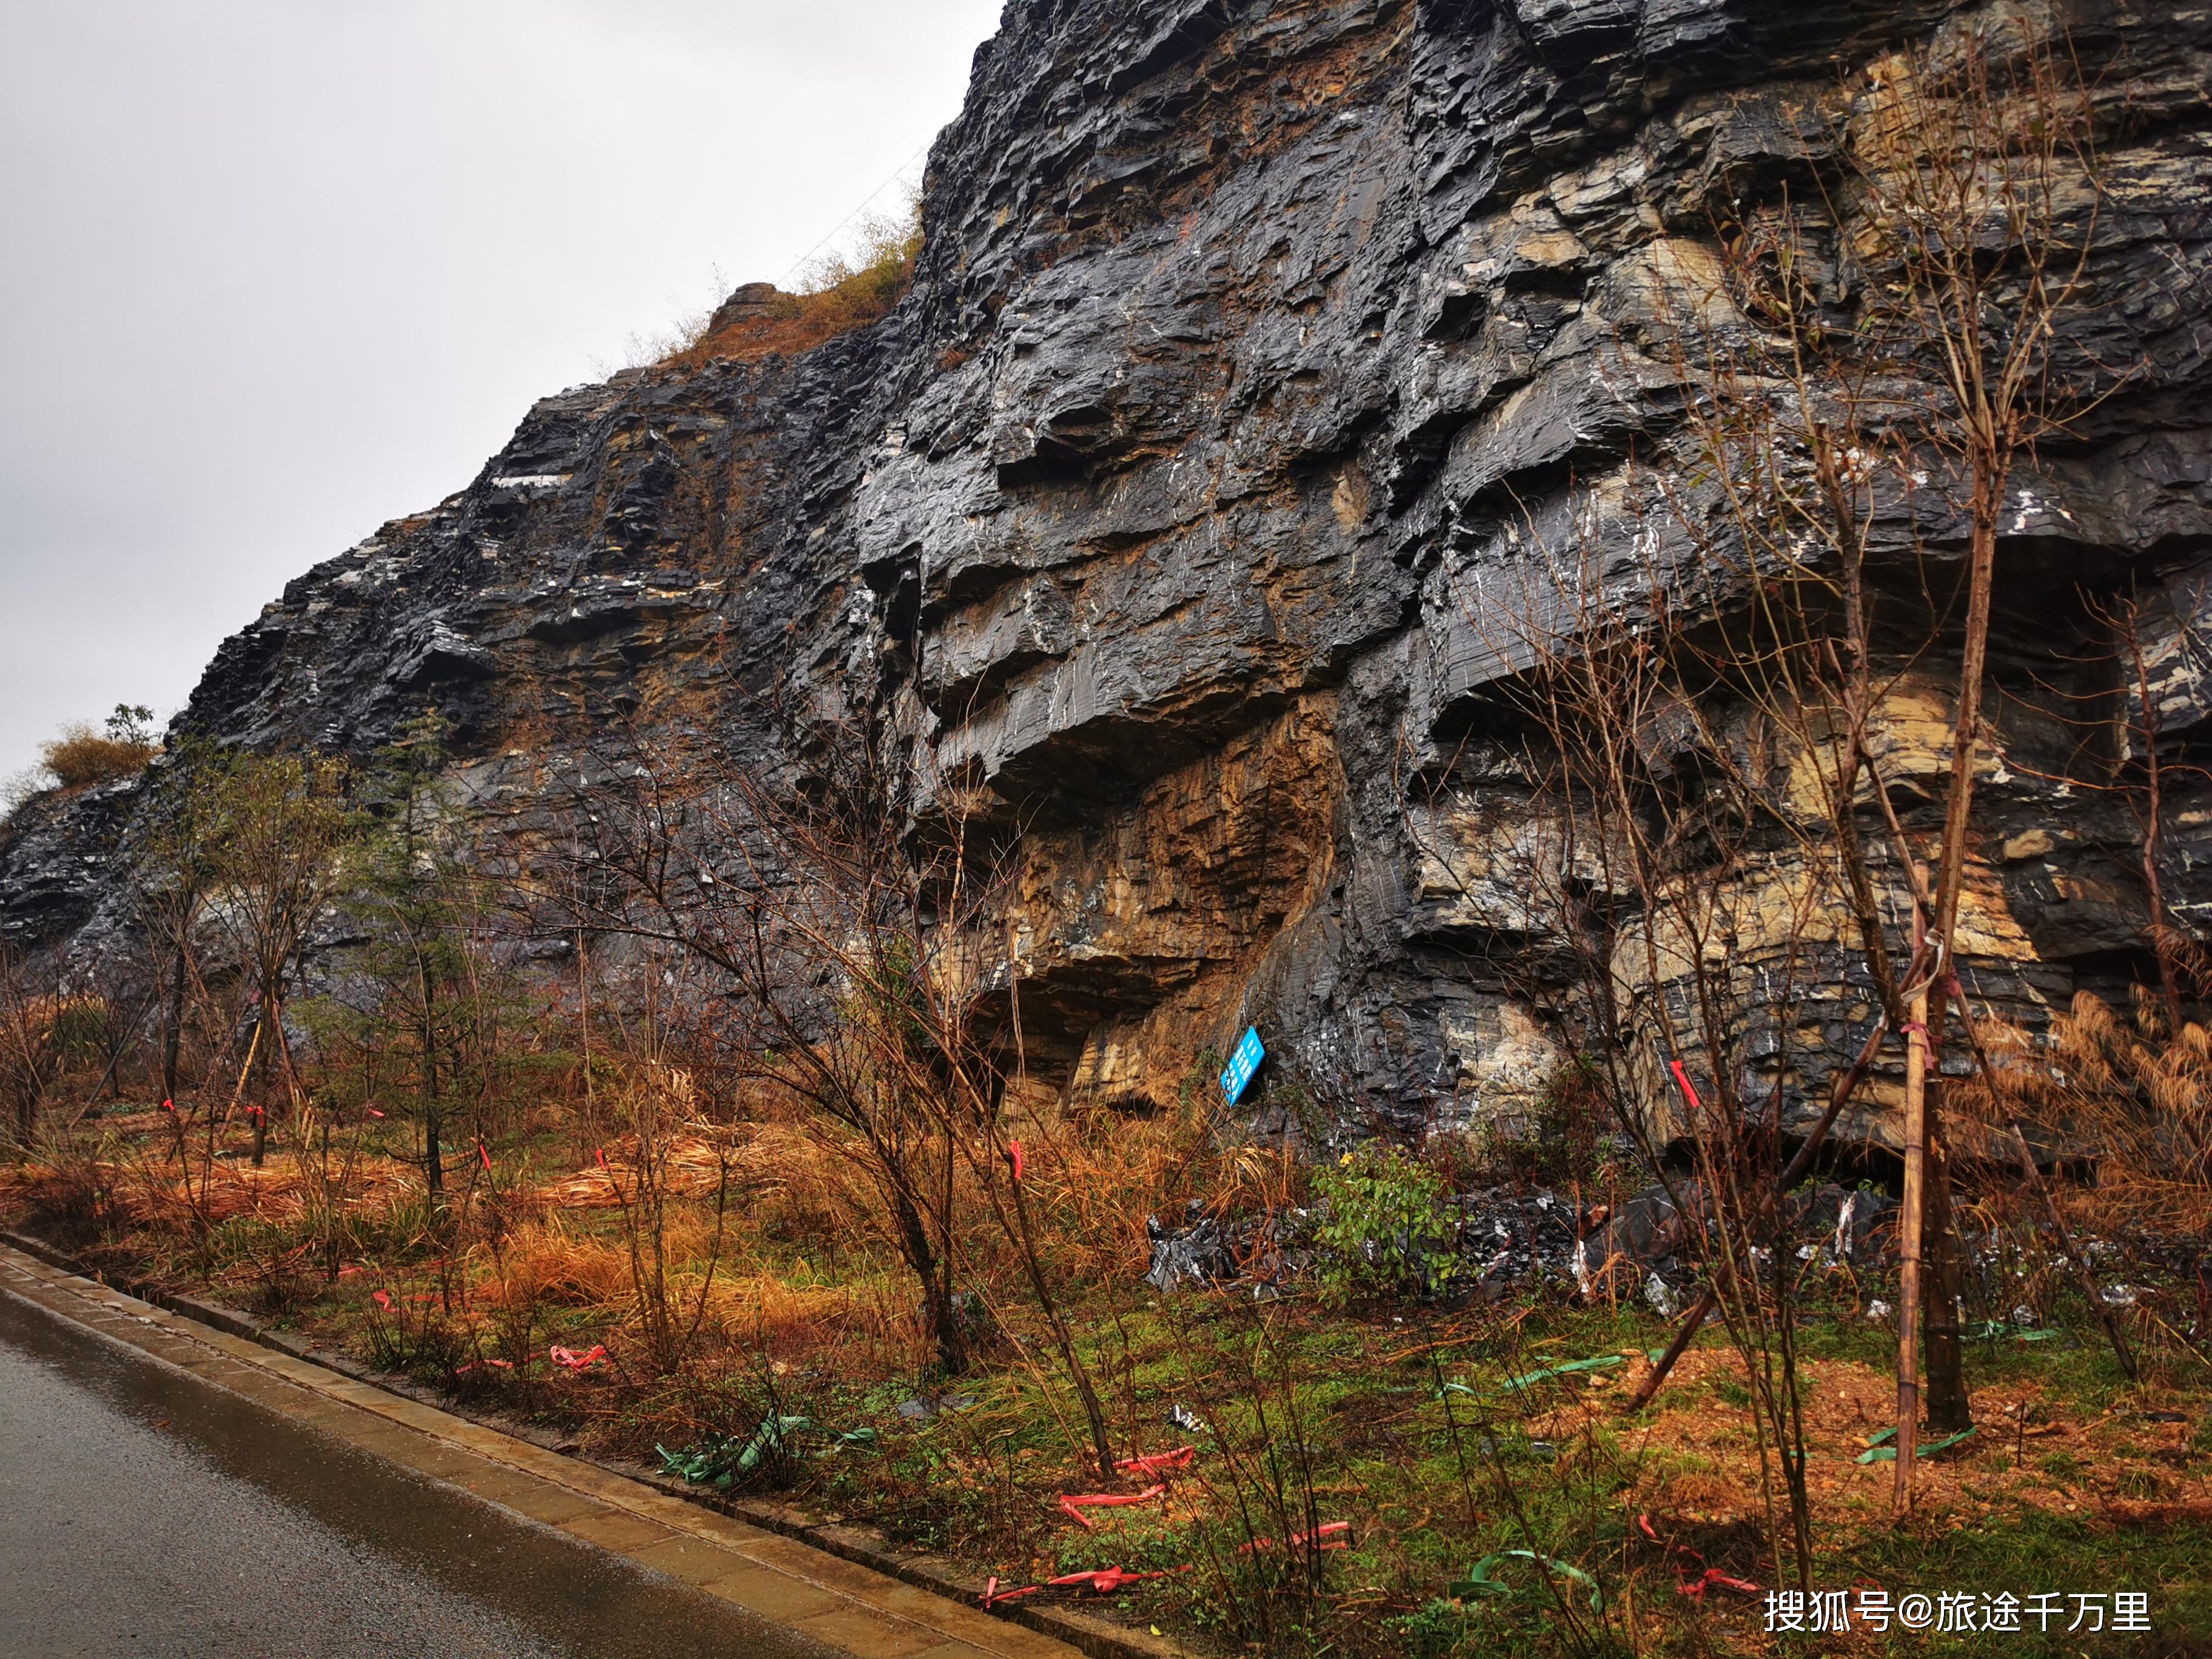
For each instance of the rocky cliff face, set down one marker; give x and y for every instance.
(1249, 339)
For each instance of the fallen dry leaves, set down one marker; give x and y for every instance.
(2119, 1465)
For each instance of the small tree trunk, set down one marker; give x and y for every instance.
(2161, 934)
(939, 1319)
(332, 1254)
(1911, 1217)
(1949, 1411)
(255, 1087)
(1945, 1361)
(173, 1027)
(1094, 1413)
(434, 1157)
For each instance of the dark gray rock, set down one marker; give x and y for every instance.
(1192, 1255)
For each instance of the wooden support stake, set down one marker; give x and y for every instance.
(1911, 1219)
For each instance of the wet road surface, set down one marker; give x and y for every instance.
(145, 1512)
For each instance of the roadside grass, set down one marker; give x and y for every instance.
(1436, 1434)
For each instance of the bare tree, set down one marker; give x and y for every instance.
(1901, 333)
(28, 1057)
(173, 868)
(1976, 187)
(280, 822)
(1708, 706)
(1697, 884)
(853, 932)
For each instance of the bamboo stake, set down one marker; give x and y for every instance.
(2085, 1277)
(1911, 1219)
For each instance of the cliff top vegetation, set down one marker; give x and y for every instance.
(838, 292)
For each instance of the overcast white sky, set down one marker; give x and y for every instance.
(277, 270)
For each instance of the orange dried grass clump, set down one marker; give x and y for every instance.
(2130, 1092)
(546, 1263)
(687, 1165)
(161, 1195)
(839, 295)
(543, 1261)
(1094, 1181)
(81, 758)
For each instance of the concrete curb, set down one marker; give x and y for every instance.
(1099, 1638)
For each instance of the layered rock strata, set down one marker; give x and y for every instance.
(1253, 344)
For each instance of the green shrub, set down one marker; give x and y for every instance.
(82, 1028)
(1434, 1631)
(1386, 1231)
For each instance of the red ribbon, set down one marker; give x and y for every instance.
(1713, 1576)
(1329, 1535)
(1107, 1580)
(1695, 1588)
(1014, 1156)
(1102, 1581)
(577, 1362)
(1159, 1462)
(1682, 1078)
(484, 1153)
(383, 1299)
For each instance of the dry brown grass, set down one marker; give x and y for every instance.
(1092, 1181)
(839, 294)
(80, 758)
(158, 1195)
(859, 1322)
(1711, 1472)
(68, 1029)
(2126, 1092)
(689, 1165)
(800, 1269)
(545, 1261)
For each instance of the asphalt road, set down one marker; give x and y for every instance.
(145, 1512)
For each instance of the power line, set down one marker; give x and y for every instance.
(801, 263)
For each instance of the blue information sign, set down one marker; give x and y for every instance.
(1246, 1061)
